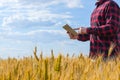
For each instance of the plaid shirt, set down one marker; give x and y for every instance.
(104, 29)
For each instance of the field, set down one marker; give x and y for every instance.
(59, 68)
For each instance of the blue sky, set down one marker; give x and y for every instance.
(25, 24)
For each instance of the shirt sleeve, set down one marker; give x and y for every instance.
(112, 22)
(83, 37)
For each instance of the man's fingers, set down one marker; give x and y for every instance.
(67, 32)
(71, 36)
(80, 31)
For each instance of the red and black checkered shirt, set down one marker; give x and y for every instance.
(104, 29)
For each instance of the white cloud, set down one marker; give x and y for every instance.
(27, 13)
(42, 35)
(11, 19)
(46, 3)
(16, 11)
(35, 32)
(33, 18)
(73, 3)
(21, 21)
(45, 15)
(41, 3)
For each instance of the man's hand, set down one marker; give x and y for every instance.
(72, 36)
(82, 30)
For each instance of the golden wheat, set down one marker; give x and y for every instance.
(59, 68)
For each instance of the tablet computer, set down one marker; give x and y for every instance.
(70, 30)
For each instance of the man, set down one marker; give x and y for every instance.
(104, 30)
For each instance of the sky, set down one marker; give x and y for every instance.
(26, 24)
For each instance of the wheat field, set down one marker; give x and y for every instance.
(59, 68)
